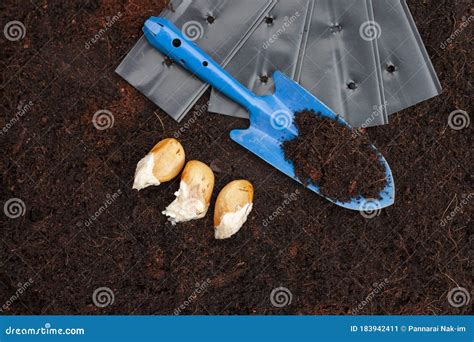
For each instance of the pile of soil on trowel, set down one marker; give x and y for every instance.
(334, 157)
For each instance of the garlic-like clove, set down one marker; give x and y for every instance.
(233, 205)
(163, 163)
(194, 194)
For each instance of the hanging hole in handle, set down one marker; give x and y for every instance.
(176, 42)
(205, 63)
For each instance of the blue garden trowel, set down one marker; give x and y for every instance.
(271, 117)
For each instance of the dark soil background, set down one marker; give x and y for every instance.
(331, 259)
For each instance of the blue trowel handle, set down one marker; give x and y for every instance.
(168, 39)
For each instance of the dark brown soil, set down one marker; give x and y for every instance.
(70, 242)
(334, 157)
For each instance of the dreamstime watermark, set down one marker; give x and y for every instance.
(46, 330)
(22, 110)
(459, 119)
(459, 208)
(14, 208)
(198, 289)
(14, 30)
(192, 30)
(287, 21)
(370, 208)
(108, 24)
(196, 114)
(21, 289)
(281, 119)
(377, 111)
(103, 119)
(370, 30)
(103, 296)
(376, 289)
(281, 297)
(464, 24)
(110, 199)
(290, 198)
(458, 297)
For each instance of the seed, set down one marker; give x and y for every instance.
(194, 194)
(163, 163)
(233, 205)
